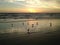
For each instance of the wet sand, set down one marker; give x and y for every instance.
(37, 38)
(49, 35)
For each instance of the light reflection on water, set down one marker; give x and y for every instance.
(33, 26)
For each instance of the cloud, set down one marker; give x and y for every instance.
(30, 3)
(6, 4)
(13, 3)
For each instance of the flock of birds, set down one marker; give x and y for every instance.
(28, 30)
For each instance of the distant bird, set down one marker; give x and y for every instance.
(32, 25)
(11, 25)
(28, 31)
(27, 23)
(23, 23)
(50, 24)
(36, 23)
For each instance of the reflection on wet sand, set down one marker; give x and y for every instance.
(31, 25)
(30, 32)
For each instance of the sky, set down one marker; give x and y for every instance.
(30, 6)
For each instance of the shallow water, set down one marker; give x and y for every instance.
(41, 31)
(23, 25)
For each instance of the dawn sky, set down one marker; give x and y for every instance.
(30, 6)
